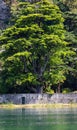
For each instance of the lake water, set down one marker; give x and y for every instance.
(38, 119)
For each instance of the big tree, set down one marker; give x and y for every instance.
(35, 49)
(69, 9)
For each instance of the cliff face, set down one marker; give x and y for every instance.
(4, 14)
(5, 6)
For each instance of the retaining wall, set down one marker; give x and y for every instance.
(38, 98)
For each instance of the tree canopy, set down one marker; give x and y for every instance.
(69, 11)
(35, 49)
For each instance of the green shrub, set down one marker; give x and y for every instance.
(49, 91)
(66, 90)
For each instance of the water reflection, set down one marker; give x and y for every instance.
(38, 119)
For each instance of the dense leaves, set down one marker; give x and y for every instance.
(35, 50)
(69, 9)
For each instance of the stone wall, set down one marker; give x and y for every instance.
(38, 98)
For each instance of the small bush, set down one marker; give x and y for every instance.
(66, 90)
(49, 91)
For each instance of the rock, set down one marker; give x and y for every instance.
(4, 14)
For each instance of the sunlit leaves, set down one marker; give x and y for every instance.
(35, 47)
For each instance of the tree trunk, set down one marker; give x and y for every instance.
(58, 89)
(39, 89)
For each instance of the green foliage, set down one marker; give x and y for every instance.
(69, 11)
(49, 90)
(66, 90)
(35, 48)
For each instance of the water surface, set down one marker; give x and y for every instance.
(38, 119)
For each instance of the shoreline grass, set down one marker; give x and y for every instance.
(58, 105)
